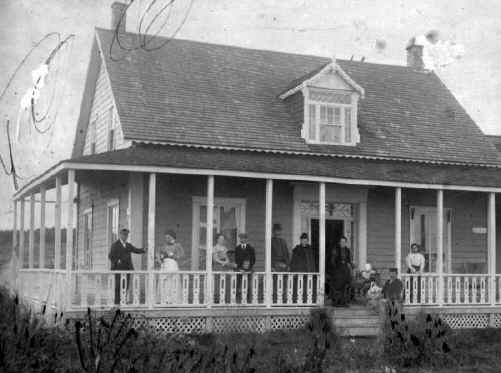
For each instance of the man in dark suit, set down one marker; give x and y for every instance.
(245, 258)
(121, 259)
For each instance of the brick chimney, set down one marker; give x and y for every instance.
(415, 55)
(118, 16)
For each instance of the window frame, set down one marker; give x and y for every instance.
(240, 204)
(88, 235)
(318, 104)
(111, 130)
(93, 136)
(115, 202)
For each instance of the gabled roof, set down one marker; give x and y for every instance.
(214, 95)
(331, 67)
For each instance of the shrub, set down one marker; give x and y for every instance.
(423, 342)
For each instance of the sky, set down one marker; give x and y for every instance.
(335, 28)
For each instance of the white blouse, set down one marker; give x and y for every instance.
(416, 260)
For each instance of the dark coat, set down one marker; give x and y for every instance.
(303, 259)
(120, 257)
(279, 253)
(242, 255)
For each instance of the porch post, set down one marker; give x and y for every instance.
(14, 229)
(321, 242)
(440, 245)
(41, 260)
(491, 231)
(21, 232)
(267, 237)
(31, 237)
(209, 240)
(152, 184)
(362, 235)
(57, 225)
(398, 230)
(69, 234)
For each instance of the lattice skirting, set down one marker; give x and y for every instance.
(288, 322)
(220, 324)
(466, 320)
(496, 320)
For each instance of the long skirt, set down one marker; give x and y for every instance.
(340, 284)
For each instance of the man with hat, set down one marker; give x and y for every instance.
(279, 251)
(121, 259)
(245, 258)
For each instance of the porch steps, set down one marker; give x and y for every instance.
(357, 321)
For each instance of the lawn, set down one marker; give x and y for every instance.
(29, 343)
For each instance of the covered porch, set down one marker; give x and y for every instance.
(455, 224)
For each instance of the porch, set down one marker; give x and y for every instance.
(380, 221)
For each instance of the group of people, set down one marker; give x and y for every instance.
(339, 263)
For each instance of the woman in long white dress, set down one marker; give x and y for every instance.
(169, 256)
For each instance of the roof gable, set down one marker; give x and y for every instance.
(330, 76)
(220, 96)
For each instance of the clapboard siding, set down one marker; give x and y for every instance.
(468, 210)
(96, 190)
(380, 227)
(174, 210)
(101, 104)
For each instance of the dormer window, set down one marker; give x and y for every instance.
(329, 116)
(330, 106)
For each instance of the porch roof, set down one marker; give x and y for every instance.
(202, 161)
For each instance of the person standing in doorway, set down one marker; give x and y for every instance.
(340, 275)
(121, 260)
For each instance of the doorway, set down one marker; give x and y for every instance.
(334, 230)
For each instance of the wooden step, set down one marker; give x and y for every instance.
(358, 332)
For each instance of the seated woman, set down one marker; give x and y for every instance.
(220, 260)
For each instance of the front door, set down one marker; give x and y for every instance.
(334, 230)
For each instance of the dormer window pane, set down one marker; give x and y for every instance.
(312, 133)
(347, 125)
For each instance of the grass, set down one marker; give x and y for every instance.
(30, 344)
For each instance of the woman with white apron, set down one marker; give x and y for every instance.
(168, 257)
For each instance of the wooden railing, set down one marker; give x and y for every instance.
(457, 289)
(182, 288)
(142, 289)
(297, 289)
(44, 286)
(233, 288)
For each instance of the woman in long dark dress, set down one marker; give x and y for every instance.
(341, 273)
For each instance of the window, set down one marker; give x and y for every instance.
(330, 115)
(229, 219)
(87, 239)
(93, 136)
(423, 231)
(111, 130)
(112, 219)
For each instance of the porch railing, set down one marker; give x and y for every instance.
(458, 289)
(142, 289)
(44, 286)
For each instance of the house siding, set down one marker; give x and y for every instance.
(101, 103)
(469, 210)
(174, 210)
(96, 190)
